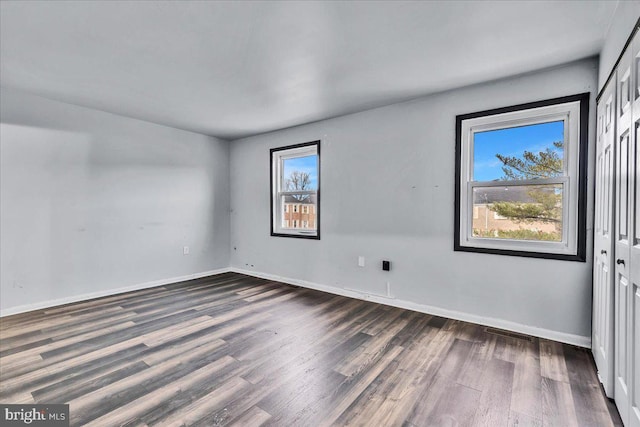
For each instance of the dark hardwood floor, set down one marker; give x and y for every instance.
(237, 350)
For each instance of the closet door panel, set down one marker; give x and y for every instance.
(634, 246)
(624, 235)
(603, 295)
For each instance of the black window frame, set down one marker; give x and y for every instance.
(581, 245)
(272, 179)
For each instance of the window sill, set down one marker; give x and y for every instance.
(297, 235)
(519, 253)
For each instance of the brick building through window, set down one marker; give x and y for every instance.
(300, 214)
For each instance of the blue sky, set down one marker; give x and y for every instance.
(303, 164)
(511, 142)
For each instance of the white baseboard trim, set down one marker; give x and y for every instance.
(577, 340)
(109, 292)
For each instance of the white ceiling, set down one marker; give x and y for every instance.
(232, 69)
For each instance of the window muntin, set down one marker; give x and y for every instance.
(295, 188)
(518, 183)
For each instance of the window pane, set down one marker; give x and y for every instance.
(300, 173)
(300, 212)
(525, 152)
(520, 212)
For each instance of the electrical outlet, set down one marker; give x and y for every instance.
(360, 261)
(185, 250)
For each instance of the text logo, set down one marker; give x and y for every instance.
(36, 415)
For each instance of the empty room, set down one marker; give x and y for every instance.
(320, 213)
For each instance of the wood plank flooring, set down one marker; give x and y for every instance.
(241, 351)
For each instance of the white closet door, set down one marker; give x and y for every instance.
(603, 296)
(627, 245)
(634, 242)
(622, 238)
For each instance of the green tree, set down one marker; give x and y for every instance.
(545, 202)
(545, 164)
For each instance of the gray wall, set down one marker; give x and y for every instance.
(92, 202)
(388, 193)
(626, 15)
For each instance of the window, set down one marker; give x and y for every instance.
(521, 180)
(295, 181)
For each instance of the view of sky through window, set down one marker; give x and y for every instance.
(307, 164)
(512, 142)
